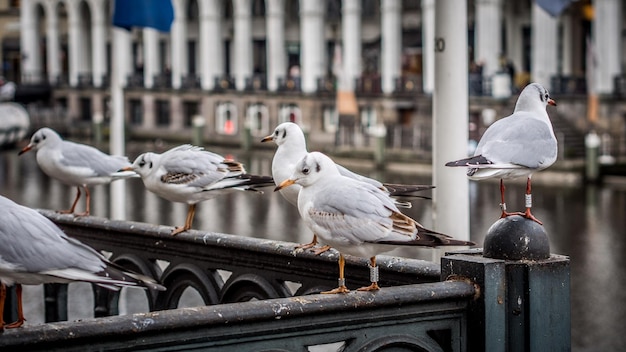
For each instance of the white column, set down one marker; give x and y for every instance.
(488, 36)
(151, 57)
(514, 40)
(543, 64)
(351, 40)
(312, 44)
(276, 52)
(567, 47)
(211, 42)
(242, 42)
(391, 43)
(29, 42)
(75, 48)
(450, 119)
(178, 40)
(607, 29)
(121, 64)
(428, 46)
(98, 43)
(53, 46)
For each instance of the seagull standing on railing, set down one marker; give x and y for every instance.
(355, 217)
(33, 251)
(189, 174)
(291, 143)
(73, 164)
(517, 145)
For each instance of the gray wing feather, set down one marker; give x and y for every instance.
(33, 241)
(203, 167)
(81, 155)
(518, 140)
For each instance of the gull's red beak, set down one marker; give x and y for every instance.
(551, 102)
(25, 149)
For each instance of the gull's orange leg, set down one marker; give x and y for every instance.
(503, 204)
(342, 281)
(308, 245)
(71, 210)
(190, 214)
(529, 203)
(20, 312)
(87, 203)
(373, 277)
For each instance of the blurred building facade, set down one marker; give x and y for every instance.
(255, 63)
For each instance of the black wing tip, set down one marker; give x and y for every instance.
(475, 160)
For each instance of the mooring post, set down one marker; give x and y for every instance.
(524, 300)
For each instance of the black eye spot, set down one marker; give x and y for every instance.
(36, 140)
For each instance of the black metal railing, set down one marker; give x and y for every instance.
(277, 284)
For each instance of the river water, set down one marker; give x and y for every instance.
(586, 223)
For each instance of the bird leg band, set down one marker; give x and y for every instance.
(373, 273)
(529, 200)
(503, 207)
(341, 282)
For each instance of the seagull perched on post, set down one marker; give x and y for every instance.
(291, 143)
(517, 145)
(73, 164)
(355, 217)
(189, 174)
(33, 250)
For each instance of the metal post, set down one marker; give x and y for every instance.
(524, 302)
(592, 148)
(450, 119)
(379, 132)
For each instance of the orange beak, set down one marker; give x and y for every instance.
(127, 168)
(26, 148)
(288, 182)
(551, 102)
(267, 139)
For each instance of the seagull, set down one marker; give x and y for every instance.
(355, 217)
(35, 251)
(74, 164)
(189, 174)
(517, 145)
(291, 143)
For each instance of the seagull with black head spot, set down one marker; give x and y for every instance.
(355, 217)
(189, 174)
(517, 145)
(74, 164)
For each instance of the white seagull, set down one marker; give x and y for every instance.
(73, 164)
(189, 174)
(291, 143)
(35, 251)
(517, 145)
(355, 217)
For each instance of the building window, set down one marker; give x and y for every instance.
(136, 112)
(290, 113)
(227, 119)
(162, 112)
(190, 110)
(258, 119)
(258, 8)
(330, 118)
(368, 117)
(85, 109)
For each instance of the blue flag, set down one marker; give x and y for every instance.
(157, 14)
(554, 7)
